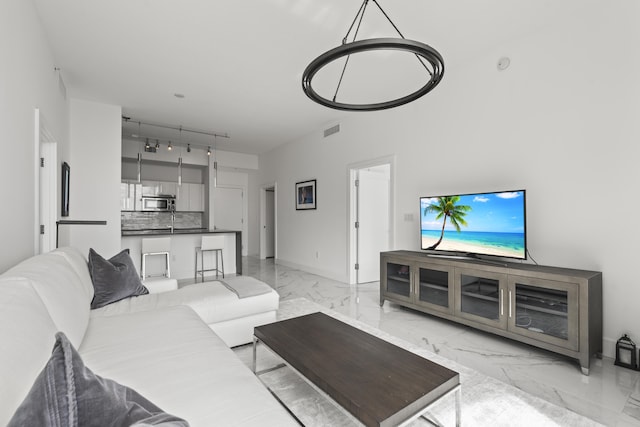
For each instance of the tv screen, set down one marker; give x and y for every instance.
(491, 224)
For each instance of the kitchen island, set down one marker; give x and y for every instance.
(183, 244)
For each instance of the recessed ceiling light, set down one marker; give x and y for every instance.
(179, 95)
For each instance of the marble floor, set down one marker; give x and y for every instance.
(609, 395)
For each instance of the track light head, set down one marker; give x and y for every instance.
(157, 144)
(169, 147)
(188, 148)
(208, 151)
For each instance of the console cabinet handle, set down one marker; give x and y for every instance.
(509, 304)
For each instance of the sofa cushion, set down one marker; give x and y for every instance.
(68, 394)
(170, 356)
(113, 279)
(61, 290)
(26, 337)
(211, 300)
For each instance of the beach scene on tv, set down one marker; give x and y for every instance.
(484, 224)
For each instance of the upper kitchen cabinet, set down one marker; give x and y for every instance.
(159, 188)
(168, 188)
(130, 193)
(190, 197)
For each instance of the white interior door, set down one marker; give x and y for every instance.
(372, 209)
(228, 210)
(48, 193)
(47, 185)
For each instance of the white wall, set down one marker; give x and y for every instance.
(95, 134)
(561, 122)
(27, 81)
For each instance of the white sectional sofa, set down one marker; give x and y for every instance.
(231, 318)
(162, 350)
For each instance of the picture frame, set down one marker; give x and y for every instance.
(305, 195)
(66, 172)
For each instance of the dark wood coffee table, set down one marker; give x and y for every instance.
(379, 383)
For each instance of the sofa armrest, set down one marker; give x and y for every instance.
(160, 284)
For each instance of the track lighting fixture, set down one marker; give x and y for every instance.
(157, 144)
(146, 145)
(188, 148)
(169, 147)
(208, 151)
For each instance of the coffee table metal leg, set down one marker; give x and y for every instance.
(255, 346)
(458, 402)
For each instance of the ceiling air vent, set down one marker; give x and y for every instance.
(331, 130)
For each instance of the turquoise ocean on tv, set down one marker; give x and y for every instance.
(512, 241)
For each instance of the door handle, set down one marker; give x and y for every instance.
(509, 304)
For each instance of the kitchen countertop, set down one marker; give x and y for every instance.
(167, 232)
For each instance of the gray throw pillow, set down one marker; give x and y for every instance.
(113, 279)
(68, 394)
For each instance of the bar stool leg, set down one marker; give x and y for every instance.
(222, 261)
(195, 274)
(168, 265)
(217, 269)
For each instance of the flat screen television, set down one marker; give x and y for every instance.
(492, 224)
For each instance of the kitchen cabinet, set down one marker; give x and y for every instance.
(182, 198)
(558, 309)
(150, 188)
(190, 197)
(130, 193)
(167, 188)
(196, 197)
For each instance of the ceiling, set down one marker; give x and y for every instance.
(239, 64)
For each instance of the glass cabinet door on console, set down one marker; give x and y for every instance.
(435, 287)
(481, 296)
(544, 310)
(398, 277)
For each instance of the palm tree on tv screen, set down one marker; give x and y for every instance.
(446, 207)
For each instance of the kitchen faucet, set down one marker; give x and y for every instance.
(173, 220)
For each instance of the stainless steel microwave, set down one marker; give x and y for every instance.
(158, 203)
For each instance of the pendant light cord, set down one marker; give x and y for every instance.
(396, 28)
(361, 11)
(363, 8)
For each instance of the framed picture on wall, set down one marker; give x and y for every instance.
(306, 195)
(65, 189)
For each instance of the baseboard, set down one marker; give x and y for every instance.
(319, 272)
(609, 348)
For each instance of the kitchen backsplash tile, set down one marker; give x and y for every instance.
(131, 220)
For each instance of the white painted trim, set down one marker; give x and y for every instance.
(351, 203)
(263, 220)
(36, 181)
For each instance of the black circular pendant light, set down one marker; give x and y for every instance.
(427, 56)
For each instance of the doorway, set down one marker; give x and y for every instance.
(371, 194)
(229, 211)
(46, 182)
(268, 221)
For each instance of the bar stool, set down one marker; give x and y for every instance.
(213, 244)
(156, 246)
